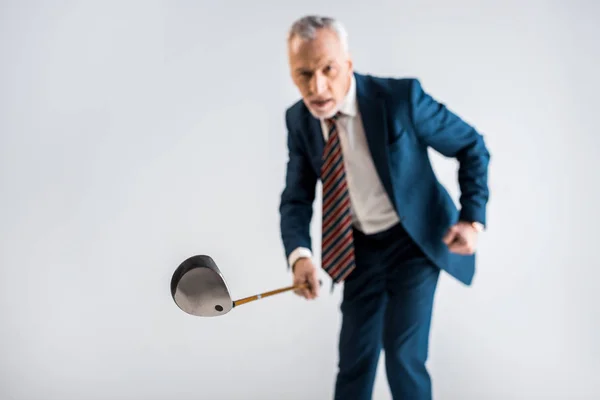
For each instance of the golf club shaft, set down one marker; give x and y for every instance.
(267, 294)
(271, 293)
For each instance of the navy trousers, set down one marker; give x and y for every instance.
(387, 305)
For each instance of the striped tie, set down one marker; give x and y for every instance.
(337, 255)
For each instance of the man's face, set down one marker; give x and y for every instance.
(321, 70)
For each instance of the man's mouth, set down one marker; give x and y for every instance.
(321, 103)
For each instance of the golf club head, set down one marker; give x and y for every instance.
(198, 288)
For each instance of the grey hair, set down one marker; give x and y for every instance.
(307, 26)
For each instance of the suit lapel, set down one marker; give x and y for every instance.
(316, 140)
(373, 113)
(317, 133)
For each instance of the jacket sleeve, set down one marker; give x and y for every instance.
(441, 129)
(297, 198)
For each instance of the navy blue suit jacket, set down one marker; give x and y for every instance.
(401, 122)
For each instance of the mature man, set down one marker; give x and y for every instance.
(388, 226)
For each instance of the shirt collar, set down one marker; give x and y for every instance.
(349, 106)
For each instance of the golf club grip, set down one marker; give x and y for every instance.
(271, 293)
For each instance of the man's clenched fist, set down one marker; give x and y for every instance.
(461, 238)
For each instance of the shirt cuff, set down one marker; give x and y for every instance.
(298, 253)
(479, 227)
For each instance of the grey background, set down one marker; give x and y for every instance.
(135, 134)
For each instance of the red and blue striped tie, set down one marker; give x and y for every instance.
(337, 256)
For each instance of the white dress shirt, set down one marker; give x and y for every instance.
(372, 210)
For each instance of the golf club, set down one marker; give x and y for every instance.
(199, 288)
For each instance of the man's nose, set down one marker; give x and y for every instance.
(318, 84)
